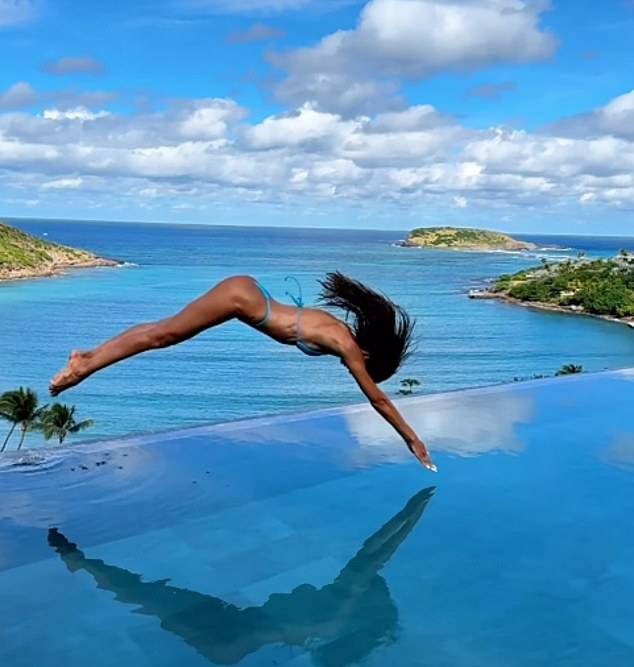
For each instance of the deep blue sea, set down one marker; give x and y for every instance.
(232, 371)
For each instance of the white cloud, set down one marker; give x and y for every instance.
(339, 92)
(77, 113)
(615, 118)
(557, 158)
(413, 159)
(412, 39)
(63, 184)
(419, 117)
(150, 193)
(208, 119)
(305, 126)
(15, 12)
(18, 96)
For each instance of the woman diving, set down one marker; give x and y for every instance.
(372, 348)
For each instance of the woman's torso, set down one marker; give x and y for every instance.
(313, 330)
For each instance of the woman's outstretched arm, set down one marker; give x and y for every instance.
(352, 357)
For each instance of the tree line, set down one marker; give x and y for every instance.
(20, 407)
(600, 286)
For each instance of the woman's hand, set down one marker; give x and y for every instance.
(352, 357)
(419, 450)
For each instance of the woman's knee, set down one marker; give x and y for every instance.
(242, 293)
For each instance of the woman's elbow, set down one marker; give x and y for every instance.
(380, 403)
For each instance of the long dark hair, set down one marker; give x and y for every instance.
(381, 328)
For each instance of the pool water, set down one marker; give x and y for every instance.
(316, 539)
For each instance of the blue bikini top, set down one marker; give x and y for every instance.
(299, 302)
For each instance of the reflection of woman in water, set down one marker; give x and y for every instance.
(372, 348)
(339, 624)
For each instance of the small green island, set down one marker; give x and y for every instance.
(600, 287)
(25, 256)
(457, 238)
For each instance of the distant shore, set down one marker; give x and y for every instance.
(11, 275)
(540, 305)
(464, 239)
(24, 257)
(476, 249)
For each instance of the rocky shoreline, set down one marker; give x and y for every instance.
(554, 308)
(54, 270)
(519, 247)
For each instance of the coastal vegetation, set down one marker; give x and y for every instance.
(463, 239)
(566, 369)
(569, 369)
(23, 255)
(407, 386)
(20, 407)
(58, 421)
(603, 287)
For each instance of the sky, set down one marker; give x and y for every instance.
(506, 114)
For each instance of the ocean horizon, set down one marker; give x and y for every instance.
(233, 372)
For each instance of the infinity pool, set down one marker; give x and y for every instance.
(316, 539)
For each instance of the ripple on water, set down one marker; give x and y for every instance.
(76, 489)
(32, 462)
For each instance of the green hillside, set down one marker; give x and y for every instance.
(464, 239)
(23, 255)
(600, 286)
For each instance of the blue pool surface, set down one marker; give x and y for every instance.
(316, 539)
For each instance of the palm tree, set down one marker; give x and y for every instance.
(569, 369)
(19, 406)
(6, 413)
(407, 386)
(59, 421)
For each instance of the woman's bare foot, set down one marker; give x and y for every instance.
(73, 373)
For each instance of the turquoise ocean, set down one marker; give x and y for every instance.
(233, 372)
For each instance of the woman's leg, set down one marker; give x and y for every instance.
(234, 297)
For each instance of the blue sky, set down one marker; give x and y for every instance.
(508, 114)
